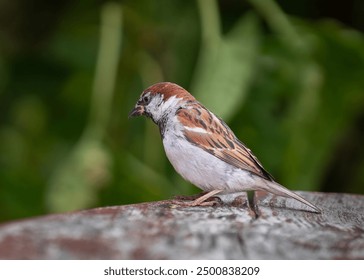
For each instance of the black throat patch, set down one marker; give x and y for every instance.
(162, 126)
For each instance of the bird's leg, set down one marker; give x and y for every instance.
(201, 201)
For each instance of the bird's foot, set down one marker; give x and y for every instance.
(203, 200)
(188, 197)
(210, 202)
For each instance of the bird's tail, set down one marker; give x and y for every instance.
(273, 187)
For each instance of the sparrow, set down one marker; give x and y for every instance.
(202, 148)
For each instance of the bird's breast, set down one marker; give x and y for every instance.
(202, 168)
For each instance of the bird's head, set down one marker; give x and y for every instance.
(160, 100)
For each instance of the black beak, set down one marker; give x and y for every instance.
(137, 111)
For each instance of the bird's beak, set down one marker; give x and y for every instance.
(137, 111)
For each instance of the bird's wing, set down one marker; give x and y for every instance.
(203, 129)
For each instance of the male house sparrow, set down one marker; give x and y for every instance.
(202, 148)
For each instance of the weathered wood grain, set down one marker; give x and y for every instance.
(163, 230)
(337, 233)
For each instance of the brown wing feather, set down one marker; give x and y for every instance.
(226, 146)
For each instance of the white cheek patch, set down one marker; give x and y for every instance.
(170, 103)
(197, 129)
(159, 108)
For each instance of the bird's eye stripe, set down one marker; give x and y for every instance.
(145, 99)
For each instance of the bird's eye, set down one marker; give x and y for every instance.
(146, 99)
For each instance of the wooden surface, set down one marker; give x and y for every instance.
(274, 228)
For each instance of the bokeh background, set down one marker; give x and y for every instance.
(287, 76)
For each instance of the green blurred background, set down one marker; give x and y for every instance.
(287, 76)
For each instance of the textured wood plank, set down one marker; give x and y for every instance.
(162, 230)
(336, 233)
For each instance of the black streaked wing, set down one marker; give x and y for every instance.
(218, 140)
